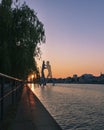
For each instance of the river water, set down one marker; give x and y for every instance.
(74, 106)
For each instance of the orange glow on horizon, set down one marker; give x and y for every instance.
(63, 71)
(66, 63)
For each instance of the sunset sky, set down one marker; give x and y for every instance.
(74, 35)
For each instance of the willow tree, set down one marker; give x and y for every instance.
(5, 35)
(26, 33)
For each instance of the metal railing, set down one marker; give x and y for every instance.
(10, 91)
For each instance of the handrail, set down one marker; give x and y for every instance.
(10, 77)
(10, 91)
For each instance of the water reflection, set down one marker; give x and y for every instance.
(75, 107)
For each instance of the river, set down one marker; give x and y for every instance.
(74, 106)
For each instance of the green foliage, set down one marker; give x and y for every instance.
(5, 29)
(20, 33)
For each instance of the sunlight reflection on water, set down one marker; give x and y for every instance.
(74, 106)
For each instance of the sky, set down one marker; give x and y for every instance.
(74, 35)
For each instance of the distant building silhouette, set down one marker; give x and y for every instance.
(75, 78)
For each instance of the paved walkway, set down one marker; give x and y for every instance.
(32, 115)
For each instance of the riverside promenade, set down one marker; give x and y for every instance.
(32, 115)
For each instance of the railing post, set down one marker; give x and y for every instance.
(2, 94)
(13, 85)
(16, 96)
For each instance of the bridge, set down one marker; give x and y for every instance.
(26, 112)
